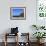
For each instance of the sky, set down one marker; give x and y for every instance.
(17, 12)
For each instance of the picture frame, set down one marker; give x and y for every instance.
(17, 13)
(41, 12)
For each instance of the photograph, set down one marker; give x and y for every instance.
(17, 13)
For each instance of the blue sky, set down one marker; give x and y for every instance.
(17, 12)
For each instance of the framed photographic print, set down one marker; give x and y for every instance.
(41, 8)
(18, 13)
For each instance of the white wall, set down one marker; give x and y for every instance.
(24, 25)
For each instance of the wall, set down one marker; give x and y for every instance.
(24, 25)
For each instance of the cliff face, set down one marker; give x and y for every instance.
(21, 15)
